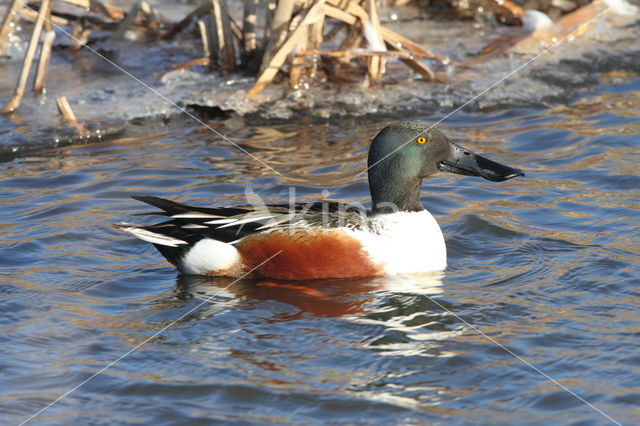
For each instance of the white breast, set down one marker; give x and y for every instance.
(405, 242)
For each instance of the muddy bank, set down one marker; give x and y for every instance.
(114, 87)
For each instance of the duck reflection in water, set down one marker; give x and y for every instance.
(322, 298)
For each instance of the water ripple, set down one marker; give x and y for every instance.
(547, 265)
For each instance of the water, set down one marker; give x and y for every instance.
(545, 268)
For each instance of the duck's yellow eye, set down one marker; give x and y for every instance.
(421, 140)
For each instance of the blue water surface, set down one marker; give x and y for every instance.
(536, 319)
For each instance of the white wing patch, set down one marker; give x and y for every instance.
(152, 237)
(220, 221)
(210, 256)
(195, 215)
(194, 226)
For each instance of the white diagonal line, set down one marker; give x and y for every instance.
(160, 95)
(489, 88)
(139, 345)
(266, 165)
(521, 359)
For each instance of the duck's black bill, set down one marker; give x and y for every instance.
(465, 162)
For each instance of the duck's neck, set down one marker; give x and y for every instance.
(390, 194)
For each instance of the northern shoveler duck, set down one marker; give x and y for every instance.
(327, 239)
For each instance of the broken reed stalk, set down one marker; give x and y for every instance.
(352, 8)
(339, 14)
(360, 24)
(272, 68)
(10, 18)
(311, 40)
(31, 16)
(79, 36)
(297, 64)
(28, 59)
(249, 38)
(360, 54)
(279, 27)
(204, 37)
(229, 52)
(236, 30)
(45, 54)
(284, 32)
(376, 62)
(212, 38)
(67, 114)
(193, 62)
(198, 13)
(214, 29)
(316, 33)
(392, 37)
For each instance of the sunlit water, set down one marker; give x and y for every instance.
(545, 268)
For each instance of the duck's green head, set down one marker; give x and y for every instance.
(404, 153)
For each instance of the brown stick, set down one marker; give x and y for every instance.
(217, 15)
(32, 15)
(79, 36)
(419, 67)
(45, 54)
(507, 10)
(28, 60)
(339, 14)
(394, 38)
(184, 65)
(351, 54)
(197, 13)
(351, 7)
(229, 62)
(67, 113)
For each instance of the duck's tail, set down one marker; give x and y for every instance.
(173, 249)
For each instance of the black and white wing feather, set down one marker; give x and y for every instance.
(188, 224)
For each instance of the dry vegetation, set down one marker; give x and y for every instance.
(303, 40)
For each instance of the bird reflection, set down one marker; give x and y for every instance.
(322, 298)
